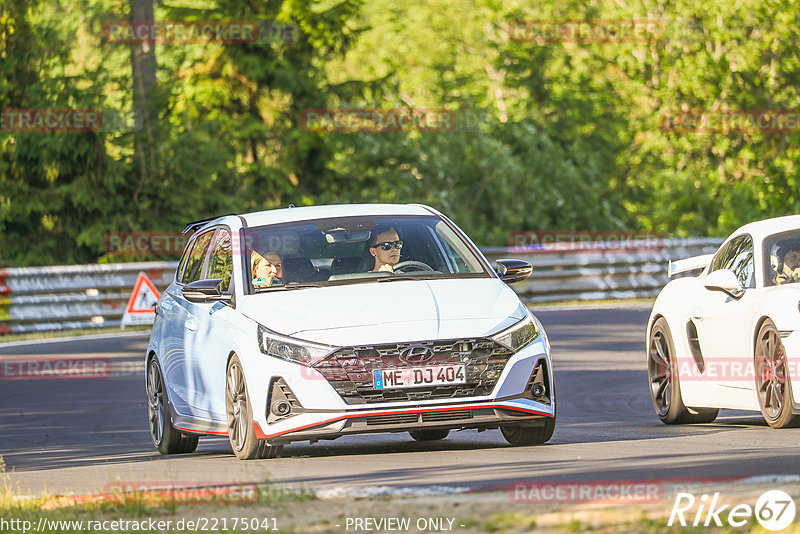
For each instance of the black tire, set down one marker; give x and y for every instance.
(772, 381)
(432, 434)
(241, 431)
(165, 437)
(665, 388)
(518, 435)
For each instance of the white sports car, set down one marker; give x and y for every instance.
(730, 337)
(312, 323)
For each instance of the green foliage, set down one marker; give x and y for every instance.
(548, 135)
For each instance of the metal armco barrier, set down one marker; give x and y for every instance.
(600, 274)
(94, 296)
(72, 296)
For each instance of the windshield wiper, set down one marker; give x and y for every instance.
(407, 277)
(300, 285)
(290, 285)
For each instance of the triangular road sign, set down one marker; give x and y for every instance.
(142, 302)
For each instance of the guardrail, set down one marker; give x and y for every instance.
(73, 296)
(94, 296)
(600, 274)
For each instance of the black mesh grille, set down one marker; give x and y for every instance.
(350, 369)
(393, 419)
(446, 416)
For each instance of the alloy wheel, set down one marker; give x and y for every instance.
(660, 371)
(155, 405)
(771, 375)
(236, 404)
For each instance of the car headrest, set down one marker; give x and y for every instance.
(345, 265)
(298, 270)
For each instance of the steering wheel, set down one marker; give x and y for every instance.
(415, 265)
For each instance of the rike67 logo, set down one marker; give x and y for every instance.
(774, 510)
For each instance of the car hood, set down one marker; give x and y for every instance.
(388, 312)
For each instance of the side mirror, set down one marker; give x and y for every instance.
(205, 291)
(513, 270)
(724, 280)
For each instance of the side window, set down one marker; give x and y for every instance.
(456, 250)
(782, 258)
(221, 259)
(742, 263)
(738, 257)
(722, 258)
(458, 265)
(182, 263)
(194, 261)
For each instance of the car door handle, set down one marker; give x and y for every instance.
(166, 305)
(697, 313)
(190, 323)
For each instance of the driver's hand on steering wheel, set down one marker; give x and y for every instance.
(385, 268)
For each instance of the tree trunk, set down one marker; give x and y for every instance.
(143, 63)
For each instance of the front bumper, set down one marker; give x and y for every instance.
(318, 411)
(469, 416)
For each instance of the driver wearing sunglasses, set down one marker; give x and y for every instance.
(385, 246)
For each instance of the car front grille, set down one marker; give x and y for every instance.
(350, 369)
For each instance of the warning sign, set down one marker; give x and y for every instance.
(141, 307)
(3, 287)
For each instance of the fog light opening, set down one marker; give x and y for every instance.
(281, 403)
(281, 408)
(538, 383)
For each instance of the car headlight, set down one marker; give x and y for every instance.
(520, 335)
(293, 350)
(542, 332)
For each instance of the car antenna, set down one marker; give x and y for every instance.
(292, 206)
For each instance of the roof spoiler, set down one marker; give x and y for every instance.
(689, 264)
(196, 225)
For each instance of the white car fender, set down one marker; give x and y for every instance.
(674, 305)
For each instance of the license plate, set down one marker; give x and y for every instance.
(414, 377)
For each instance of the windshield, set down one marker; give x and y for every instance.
(782, 258)
(356, 250)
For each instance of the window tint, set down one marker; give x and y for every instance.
(182, 264)
(778, 249)
(221, 259)
(456, 250)
(337, 250)
(722, 258)
(738, 257)
(194, 262)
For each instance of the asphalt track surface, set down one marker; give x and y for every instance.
(78, 436)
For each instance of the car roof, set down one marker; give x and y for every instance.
(337, 210)
(284, 215)
(762, 229)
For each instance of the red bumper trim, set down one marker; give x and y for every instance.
(261, 435)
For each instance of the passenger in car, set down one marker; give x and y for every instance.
(267, 269)
(790, 259)
(385, 247)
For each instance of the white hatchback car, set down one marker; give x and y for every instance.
(730, 337)
(278, 329)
